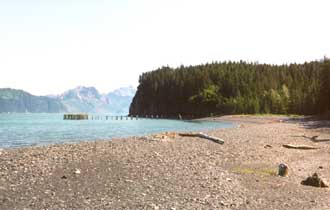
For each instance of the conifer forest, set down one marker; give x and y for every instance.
(222, 88)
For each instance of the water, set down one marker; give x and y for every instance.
(18, 130)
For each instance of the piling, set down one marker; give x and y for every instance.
(80, 116)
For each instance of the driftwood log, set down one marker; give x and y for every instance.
(204, 136)
(315, 139)
(306, 147)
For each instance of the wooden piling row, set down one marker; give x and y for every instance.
(75, 117)
(83, 116)
(108, 117)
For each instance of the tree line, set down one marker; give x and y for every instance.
(234, 88)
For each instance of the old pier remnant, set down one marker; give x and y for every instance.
(80, 116)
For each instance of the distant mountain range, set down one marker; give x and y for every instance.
(79, 99)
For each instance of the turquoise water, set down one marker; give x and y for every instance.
(18, 130)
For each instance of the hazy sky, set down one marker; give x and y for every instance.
(48, 46)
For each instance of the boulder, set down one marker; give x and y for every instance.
(314, 181)
(283, 170)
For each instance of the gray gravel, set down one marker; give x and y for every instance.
(180, 173)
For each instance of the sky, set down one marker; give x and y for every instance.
(49, 46)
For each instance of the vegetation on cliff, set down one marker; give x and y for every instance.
(234, 88)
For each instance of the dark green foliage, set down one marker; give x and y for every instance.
(325, 87)
(234, 88)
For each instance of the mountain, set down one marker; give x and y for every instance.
(81, 93)
(79, 99)
(12, 100)
(88, 99)
(125, 91)
(120, 99)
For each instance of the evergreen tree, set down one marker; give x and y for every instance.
(234, 88)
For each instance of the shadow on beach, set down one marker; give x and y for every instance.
(312, 123)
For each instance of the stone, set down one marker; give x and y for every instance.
(314, 181)
(77, 171)
(283, 170)
(155, 207)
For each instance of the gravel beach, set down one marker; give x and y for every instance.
(175, 173)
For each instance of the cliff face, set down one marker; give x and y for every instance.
(12, 100)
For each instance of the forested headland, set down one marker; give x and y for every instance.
(234, 88)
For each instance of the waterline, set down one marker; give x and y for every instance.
(18, 130)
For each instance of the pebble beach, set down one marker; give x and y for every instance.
(175, 172)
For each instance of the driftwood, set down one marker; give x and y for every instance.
(306, 147)
(204, 136)
(314, 138)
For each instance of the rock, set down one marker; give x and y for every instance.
(267, 146)
(283, 170)
(77, 171)
(155, 207)
(64, 177)
(314, 181)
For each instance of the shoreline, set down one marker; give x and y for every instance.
(76, 140)
(178, 172)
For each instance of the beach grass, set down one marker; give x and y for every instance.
(261, 171)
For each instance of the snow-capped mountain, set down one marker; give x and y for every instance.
(79, 99)
(125, 91)
(81, 93)
(88, 99)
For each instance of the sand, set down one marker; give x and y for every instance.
(174, 173)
